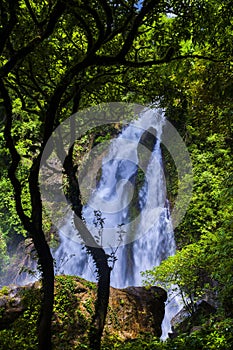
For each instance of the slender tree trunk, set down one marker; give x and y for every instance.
(46, 312)
(101, 304)
(97, 253)
(45, 260)
(33, 225)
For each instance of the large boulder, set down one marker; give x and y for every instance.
(132, 311)
(138, 310)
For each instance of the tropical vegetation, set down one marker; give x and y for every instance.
(58, 57)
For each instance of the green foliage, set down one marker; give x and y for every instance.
(3, 253)
(198, 100)
(4, 290)
(70, 323)
(217, 335)
(10, 222)
(185, 273)
(23, 334)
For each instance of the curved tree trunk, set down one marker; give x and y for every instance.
(45, 260)
(97, 253)
(33, 225)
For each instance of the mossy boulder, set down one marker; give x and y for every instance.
(132, 312)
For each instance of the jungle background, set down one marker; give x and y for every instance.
(58, 57)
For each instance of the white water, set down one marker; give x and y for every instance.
(149, 238)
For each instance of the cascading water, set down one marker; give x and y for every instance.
(148, 236)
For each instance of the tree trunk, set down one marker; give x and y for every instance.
(45, 260)
(97, 253)
(103, 291)
(46, 312)
(33, 225)
(101, 305)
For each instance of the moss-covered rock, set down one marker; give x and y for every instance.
(132, 312)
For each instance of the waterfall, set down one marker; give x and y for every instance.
(148, 237)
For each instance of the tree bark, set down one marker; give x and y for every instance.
(33, 225)
(98, 254)
(45, 259)
(101, 304)
(46, 313)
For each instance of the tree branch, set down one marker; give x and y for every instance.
(15, 158)
(86, 29)
(99, 25)
(109, 17)
(133, 32)
(32, 14)
(111, 60)
(97, 252)
(5, 32)
(26, 50)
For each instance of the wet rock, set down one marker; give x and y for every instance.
(145, 147)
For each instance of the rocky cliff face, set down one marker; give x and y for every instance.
(132, 311)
